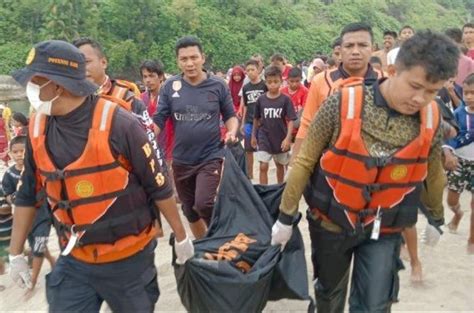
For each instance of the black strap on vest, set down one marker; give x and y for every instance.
(109, 223)
(62, 174)
(368, 189)
(69, 205)
(361, 213)
(371, 162)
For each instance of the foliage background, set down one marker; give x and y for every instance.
(231, 30)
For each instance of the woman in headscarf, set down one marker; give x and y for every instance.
(236, 82)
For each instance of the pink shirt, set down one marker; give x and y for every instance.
(465, 67)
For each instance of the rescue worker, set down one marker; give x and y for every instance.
(355, 53)
(125, 93)
(94, 164)
(96, 65)
(367, 153)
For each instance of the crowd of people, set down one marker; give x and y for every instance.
(367, 137)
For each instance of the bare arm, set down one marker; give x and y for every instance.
(244, 112)
(232, 125)
(169, 210)
(23, 217)
(286, 144)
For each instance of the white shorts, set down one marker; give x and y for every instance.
(280, 158)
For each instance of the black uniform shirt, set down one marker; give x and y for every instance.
(66, 138)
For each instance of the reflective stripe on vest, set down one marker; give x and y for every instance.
(362, 183)
(118, 95)
(332, 86)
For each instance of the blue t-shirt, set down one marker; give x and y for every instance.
(465, 121)
(196, 112)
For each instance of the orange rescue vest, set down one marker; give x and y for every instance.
(94, 197)
(333, 79)
(350, 187)
(121, 92)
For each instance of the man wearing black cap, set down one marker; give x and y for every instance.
(93, 163)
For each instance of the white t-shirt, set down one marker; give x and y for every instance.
(392, 56)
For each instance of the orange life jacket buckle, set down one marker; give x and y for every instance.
(64, 204)
(377, 162)
(56, 175)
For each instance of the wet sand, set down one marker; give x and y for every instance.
(448, 284)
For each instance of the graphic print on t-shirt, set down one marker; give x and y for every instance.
(192, 115)
(272, 112)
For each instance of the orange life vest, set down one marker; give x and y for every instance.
(121, 92)
(333, 79)
(350, 187)
(94, 197)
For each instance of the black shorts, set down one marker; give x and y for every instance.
(197, 187)
(39, 234)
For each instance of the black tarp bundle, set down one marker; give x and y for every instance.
(235, 269)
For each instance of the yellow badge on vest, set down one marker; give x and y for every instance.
(31, 56)
(160, 179)
(399, 172)
(84, 189)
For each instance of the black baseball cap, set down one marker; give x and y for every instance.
(60, 62)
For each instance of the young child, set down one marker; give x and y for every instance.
(250, 94)
(235, 85)
(38, 237)
(19, 124)
(6, 221)
(462, 148)
(297, 93)
(273, 126)
(279, 61)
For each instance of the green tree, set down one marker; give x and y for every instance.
(231, 30)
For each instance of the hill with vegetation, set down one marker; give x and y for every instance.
(231, 30)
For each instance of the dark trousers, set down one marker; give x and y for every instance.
(129, 285)
(197, 188)
(374, 285)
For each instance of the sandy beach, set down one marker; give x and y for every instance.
(448, 271)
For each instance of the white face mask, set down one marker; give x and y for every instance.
(33, 93)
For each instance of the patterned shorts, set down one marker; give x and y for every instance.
(462, 177)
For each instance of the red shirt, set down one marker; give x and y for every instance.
(470, 53)
(286, 71)
(298, 97)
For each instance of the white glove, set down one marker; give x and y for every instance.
(20, 271)
(184, 250)
(281, 233)
(430, 236)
